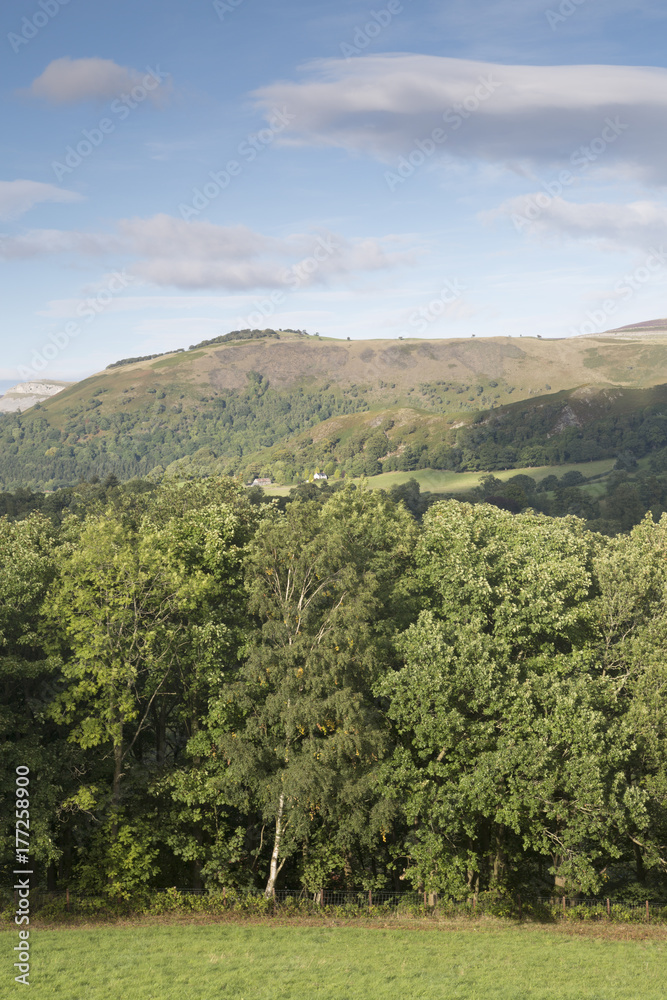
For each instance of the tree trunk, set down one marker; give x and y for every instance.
(117, 735)
(484, 863)
(499, 864)
(196, 864)
(560, 882)
(52, 877)
(348, 870)
(472, 875)
(160, 717)
(275, 868)
(115, 794)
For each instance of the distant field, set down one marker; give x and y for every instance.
(264, 962)
(439, 481)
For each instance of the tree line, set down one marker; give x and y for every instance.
(210, 690)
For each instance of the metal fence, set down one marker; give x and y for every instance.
(351, 902)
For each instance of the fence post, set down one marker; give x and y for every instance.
(563, 904)
(647, 916)
(608, 909)
(321, 897)
(519, 898)
(370, 898)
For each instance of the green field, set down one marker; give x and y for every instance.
(244, 961)
(441, 481)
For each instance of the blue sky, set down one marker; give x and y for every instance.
(173, 171)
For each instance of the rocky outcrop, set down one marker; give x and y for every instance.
(24, 395)
(568, 418)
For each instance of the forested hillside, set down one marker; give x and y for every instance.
(213, 689)
(283, 404)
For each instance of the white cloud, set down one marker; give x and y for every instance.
(45, 242)
(35, 243)
(17, 197)
(69, 81)
(639, 224)
(166, 251)
(164, 236)
(384, 105)
(203, 255)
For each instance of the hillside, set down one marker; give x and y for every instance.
(284, 403)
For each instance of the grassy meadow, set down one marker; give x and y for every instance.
(443, 481)
(484, 960)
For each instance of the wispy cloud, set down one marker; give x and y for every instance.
(49, 242)
(71, 81)
(166, 251)
(609, 225)
(382, 105)
(18, 197)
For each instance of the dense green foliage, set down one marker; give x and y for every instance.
(330, 693)
(611, 504)
(287, 433)
(144, 357)
(224, 338)
(162, 432)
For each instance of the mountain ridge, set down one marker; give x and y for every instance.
(286, 402)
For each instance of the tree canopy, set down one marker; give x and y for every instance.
(348, 688)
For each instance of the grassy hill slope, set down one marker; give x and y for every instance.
(281, 405)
